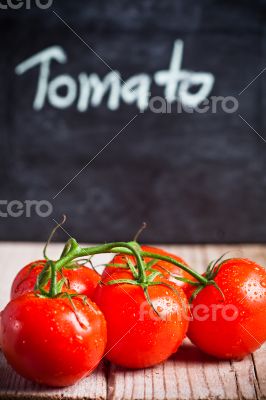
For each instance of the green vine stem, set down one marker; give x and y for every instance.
(129, 248)
(53, 291)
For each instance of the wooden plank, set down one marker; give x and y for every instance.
(247, 383)
(188, 375)
(214, 379)
(12, 386)
(259, 359)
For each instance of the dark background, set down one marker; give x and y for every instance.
(191, 177)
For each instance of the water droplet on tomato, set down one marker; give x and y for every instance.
(16, 325)
(263, 283)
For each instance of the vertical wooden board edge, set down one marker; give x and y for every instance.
(110, 378)
(258, 361)
(245, 382)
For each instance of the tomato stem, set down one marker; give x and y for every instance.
(171, 260)
(53, 291)
(141, 275)
(130, 248)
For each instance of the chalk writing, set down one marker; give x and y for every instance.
(88, 90)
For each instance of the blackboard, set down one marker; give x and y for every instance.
(193, 177)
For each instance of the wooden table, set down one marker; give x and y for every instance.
(189, 374)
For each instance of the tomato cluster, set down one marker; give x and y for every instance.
(63, 317)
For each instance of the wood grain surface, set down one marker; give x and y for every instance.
(188, 374)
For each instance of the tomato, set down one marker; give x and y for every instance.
(233, 327)
(82, 279)
(47, 341)
(25, 279)
(159, 266)
(136, 336)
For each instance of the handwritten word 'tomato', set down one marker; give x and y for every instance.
(89, 90)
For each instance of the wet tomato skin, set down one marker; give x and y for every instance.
(45, 341)
(236, 326)
(160, 265)
(137, 337)
(82, 279)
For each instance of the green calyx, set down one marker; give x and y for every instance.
(142, 273)
(143, 276)
(211, 273)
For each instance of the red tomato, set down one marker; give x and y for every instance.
(137, 337)
(236, 326)
(82, 280)
(46, 341)
(160, 265)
